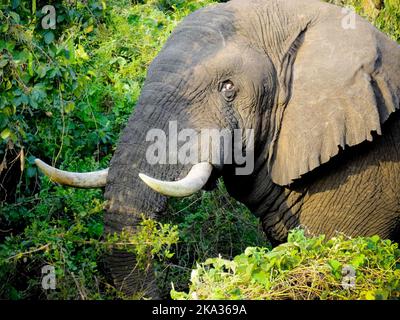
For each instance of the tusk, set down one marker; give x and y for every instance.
(193, 182)
(96, 179)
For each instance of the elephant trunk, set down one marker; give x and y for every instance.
(128, 197)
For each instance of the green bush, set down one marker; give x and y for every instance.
(209, 224)
(302, 268)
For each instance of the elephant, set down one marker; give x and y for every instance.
(318, 86)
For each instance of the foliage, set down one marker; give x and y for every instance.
(209, 224)
(153, 239)
(43, 75)
(68, 236)
(302, 268)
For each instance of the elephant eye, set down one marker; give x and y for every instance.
(228, 90)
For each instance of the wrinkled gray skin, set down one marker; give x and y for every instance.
(310, 89)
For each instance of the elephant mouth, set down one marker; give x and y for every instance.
(201, 175)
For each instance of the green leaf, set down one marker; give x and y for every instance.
(96, 229)
(5, 134)
(14, 16)
(375, 239)
(89, 29)
(31, 172)
(15, 4)
(335, 265)
(8, 111)
(358, 261)
(261, 277)
(15, 294)
(369, 295)
(81, 53)
(3, 120)
(175, 295)
(49, 37)
(42, 70)
(3, 63)
(4, 28)
(168, 254)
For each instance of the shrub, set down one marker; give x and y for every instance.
(302, 268)
(209, 224)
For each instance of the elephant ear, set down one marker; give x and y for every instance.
(344, 85)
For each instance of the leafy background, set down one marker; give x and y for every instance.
(65, 95)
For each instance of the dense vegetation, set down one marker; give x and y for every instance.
(302, 268)
(65, 95)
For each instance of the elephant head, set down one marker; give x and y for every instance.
(294, 72)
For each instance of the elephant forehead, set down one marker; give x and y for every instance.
(228, 58)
